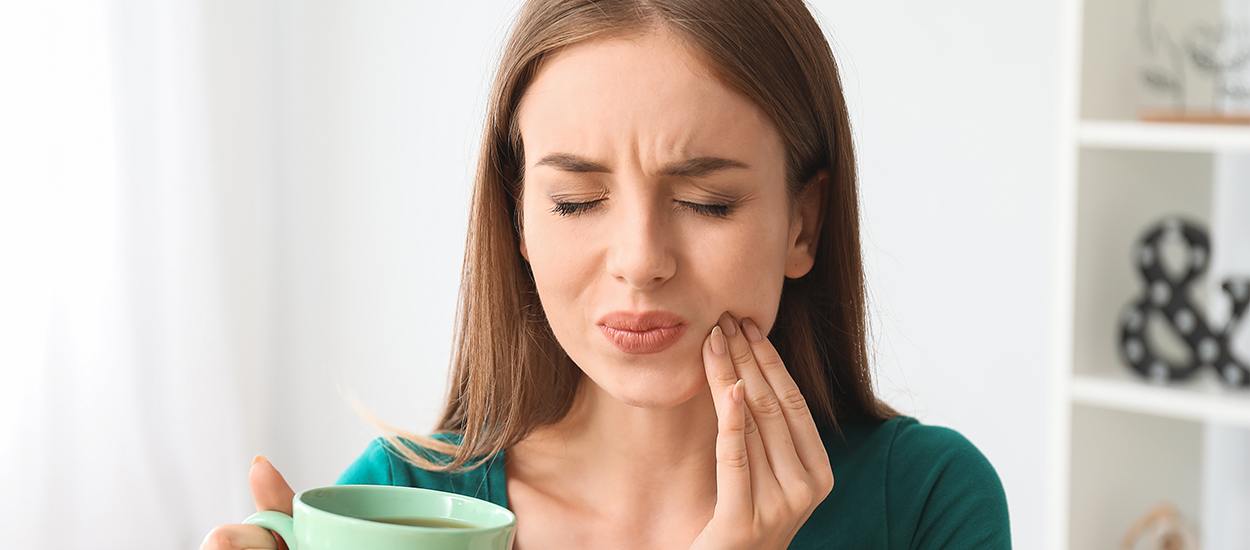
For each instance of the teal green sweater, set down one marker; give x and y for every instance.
(899, 484)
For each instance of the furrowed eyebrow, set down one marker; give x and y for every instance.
(689, 168)
(700, 166)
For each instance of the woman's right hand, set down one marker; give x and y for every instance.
(270, 491)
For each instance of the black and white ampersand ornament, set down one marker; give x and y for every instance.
(1170, 298)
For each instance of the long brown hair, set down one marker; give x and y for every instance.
(509, 375)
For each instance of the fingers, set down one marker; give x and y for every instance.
(720, 373)
(270, 491)
(733, 474)
(764, 406)
(807, 443)
(718, 362)
(238, 537)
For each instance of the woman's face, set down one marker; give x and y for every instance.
(637, 109)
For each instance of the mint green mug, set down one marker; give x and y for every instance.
(385, 517)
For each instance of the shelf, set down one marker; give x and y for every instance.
(1203, 399)
(1162, 136)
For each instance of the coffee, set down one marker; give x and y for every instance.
(442, 523)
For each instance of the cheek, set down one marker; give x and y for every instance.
(543, 241)
(743, 273)
(561, 277)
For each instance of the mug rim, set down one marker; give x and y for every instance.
(307, 508)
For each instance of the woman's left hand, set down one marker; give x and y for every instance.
(771, 466)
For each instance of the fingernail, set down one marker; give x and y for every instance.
(727, 324)
(257, 458)
(718, 341)
(736, 392)
(752, 331)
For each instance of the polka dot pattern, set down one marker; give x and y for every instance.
(1168, 298)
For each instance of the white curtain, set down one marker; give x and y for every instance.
(214, 214)
(128, 377)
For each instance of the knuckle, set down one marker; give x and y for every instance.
(749, 427)
(771, 361)
(802, 500)
(824, 483)
(794, 400)
(734, 458)
(741, 356)
(765, 405)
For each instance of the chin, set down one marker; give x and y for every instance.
(655, 388)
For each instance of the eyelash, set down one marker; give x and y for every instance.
(575, 208)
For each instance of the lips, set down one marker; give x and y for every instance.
(640, 321)
(644, 332)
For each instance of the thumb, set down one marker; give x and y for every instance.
(270, 490)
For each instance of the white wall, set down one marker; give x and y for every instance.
(381, 107)
(956, 108)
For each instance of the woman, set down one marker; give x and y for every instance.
(662, 184)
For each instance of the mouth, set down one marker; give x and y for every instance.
(641, 333)
(646, 341)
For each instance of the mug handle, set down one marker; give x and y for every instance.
(275, 521)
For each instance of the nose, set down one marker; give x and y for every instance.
(641, 252)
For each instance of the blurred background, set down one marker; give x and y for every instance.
(220, 217)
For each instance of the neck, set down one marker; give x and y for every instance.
(631, 459)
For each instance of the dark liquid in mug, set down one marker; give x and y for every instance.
(443, 523)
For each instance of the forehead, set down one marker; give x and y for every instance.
(647, 94)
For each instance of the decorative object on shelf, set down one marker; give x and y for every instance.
(1162, 528)
(1170, 299)
(1193, 63)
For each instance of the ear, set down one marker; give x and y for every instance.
(805, 222)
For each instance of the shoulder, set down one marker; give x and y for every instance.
(941, 488)
(913, 443)
(381, 464)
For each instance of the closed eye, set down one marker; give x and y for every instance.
(575, 208)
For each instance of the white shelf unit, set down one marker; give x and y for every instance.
(1128, 135)
(1205, 400)
(1119, 444)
